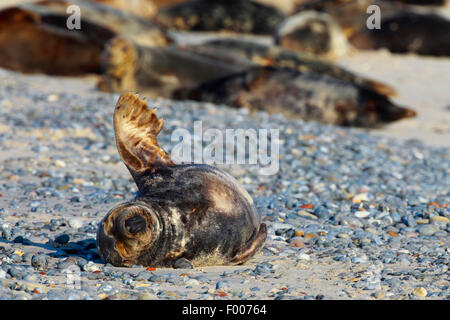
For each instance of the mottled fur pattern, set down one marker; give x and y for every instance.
(241, 16)
(305, 95)
(191, 211)
(279, 57)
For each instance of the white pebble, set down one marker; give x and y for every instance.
(60, 164)
(362, 214)
(304, 256)
(75, 223)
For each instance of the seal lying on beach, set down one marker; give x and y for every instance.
(277, 56)
(403, 28)
(194, 212)
(306, 95)
(160, 71)
(312, 32)
(239, 16)
(35, 38)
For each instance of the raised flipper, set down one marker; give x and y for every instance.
(251, 247)
(136, 128)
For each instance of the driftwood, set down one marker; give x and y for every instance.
(276, 56)
(241, 16)
(305, 95)
(35, 37)
(160, 71)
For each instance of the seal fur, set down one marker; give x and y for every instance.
(190, 211)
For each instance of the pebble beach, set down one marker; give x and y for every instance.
(351, 215)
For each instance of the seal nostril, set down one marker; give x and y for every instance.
(135, 224)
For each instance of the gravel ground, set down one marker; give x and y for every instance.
(351, 215)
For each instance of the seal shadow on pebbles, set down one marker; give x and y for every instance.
(192, 211)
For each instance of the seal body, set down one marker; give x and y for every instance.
(314, 33)
(305, 95)
(240, 16)
(196, 212)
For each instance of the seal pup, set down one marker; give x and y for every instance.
(404, 28)
(277, 56)
(31, 44)
(305, 95)
(160, 71)
(312, 32)
(34, 37)
(407, 31)
(121, 23)
(192, 211)
(239, 16)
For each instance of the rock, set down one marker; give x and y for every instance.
(60, 164)
(427, 230)
(360, 197)
(440, 219)
(192, 282)
(75, 223)
(26, 257)
(304, 256)
(322, 213)
(378, 295)
(298, 233)
(306, 214)
(360, 259)
(17, 272)
(420, 292)
(343, 236)
(309, 236)
(39, 261)
(62, 239)
(183, 263)
(220, 285)
(362, 214)
(297, 242)
(15, 258)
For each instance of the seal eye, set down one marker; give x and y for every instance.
(135, 224)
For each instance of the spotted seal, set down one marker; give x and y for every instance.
(193, 211)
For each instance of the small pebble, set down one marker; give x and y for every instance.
(297, 242)
(39, 261)
(183, 263)
(420, 292)
(75, 223)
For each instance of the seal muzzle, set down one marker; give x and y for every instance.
(127, 231)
